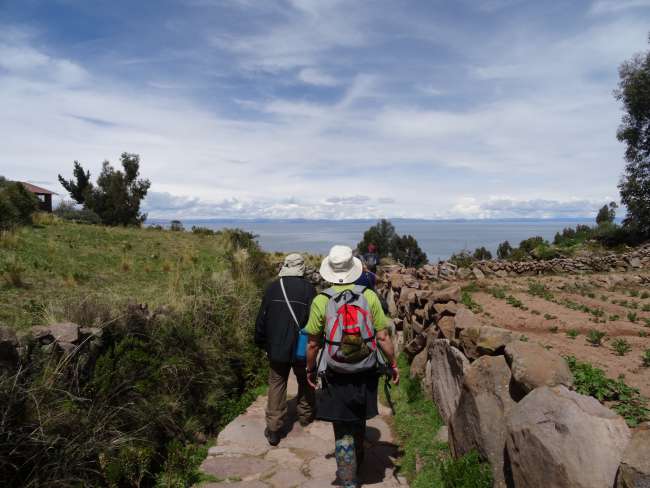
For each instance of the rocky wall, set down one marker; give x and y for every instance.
(509, 400)
(590, 263)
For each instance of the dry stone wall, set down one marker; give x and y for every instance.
(511, 401)
(446, 271)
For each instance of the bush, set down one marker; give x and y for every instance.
(504, 250)
(69, 211)
(17, 205)
(128, 414)
(462, 259)
(595, 337)
(176, 226)
(405, 249)
(621, 347)
(589, 380)
(481, 253)
(527, 245)
(466, 472)
(646, 358)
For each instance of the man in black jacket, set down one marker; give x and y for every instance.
(276, 331)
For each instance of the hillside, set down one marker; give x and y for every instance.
(46, 267)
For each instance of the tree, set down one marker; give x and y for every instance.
(16, 204)
(634, 92)
(406, 250)
(117, 195)
(607, 214)
(381, 235)
(481, 253)
(80, 188)
(504, 250)
(527, 245)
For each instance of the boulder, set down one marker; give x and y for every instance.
(634, 471)
(635, 262)
(559, 438)
(533, 366)
(478, 274)
(464, 319)
(448, 365)
(416, 345)
(427, 381)
(449, 294)
(502, 273)
(418, 364)
(479, 421)
(449, 308)
(392, 306)
(484, 340)
(446, 326)
(464, 273)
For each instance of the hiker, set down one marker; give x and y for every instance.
(367, 278)
(349, 319)
(283, 313)
(371, 258)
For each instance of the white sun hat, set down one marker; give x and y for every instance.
(340, 266)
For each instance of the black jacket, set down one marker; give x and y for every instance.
(275, 329)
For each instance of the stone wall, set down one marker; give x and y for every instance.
(511, 401)
(446, 271)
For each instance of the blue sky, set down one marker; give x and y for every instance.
(324, 109)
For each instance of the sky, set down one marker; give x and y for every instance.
(324, 108)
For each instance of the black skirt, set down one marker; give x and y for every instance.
(347, 397)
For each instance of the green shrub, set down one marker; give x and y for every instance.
(466, 472)
(632, 316)
(595, 337)
(553, 329)
(572, 333)
(70, 212)
(12, 271)
(589, 380)
(538, 289)
(17, 205)
(499, 293)
(467, 300)
(621, 346)
(548, 316)
(646, 307)
(462, 259)
(645, 295)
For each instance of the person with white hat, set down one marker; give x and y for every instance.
(347, 320)
(283, 313)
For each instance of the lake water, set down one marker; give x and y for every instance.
(438, 238)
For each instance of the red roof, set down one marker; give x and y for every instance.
(37, 189)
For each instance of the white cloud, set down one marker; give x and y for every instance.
(313, 76)
(612, 6)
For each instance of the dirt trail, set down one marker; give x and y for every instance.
(304, 458)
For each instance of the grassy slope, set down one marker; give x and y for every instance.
(65, 262)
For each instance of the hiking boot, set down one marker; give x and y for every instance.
(272, 437)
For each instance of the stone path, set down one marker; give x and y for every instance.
(304, 458)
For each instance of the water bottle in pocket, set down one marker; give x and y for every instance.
(300, 351)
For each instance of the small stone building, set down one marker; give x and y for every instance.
(44, 196)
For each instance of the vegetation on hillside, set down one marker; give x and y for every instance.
(388, 243)
(162, 377)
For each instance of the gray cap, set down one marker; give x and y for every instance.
(294, 265)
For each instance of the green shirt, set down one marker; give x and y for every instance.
(316, 322)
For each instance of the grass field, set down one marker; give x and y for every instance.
(46, 266)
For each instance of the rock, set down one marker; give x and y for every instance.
(62, 332)
(484, 340)
(427, 381)
(533, 366)
(448, 366)
(450, 294)
(446, 325)
(464, 273)
(479, 420)
(8, 347)
(635, 263)
(449, 308)
(559, 438)
(418, 364)
(42, 334)
(392, 306)
(416, 345)
(464, 319)
(478, 274)
(634, 471)
(502, 273)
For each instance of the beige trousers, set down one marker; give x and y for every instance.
(276, 408)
